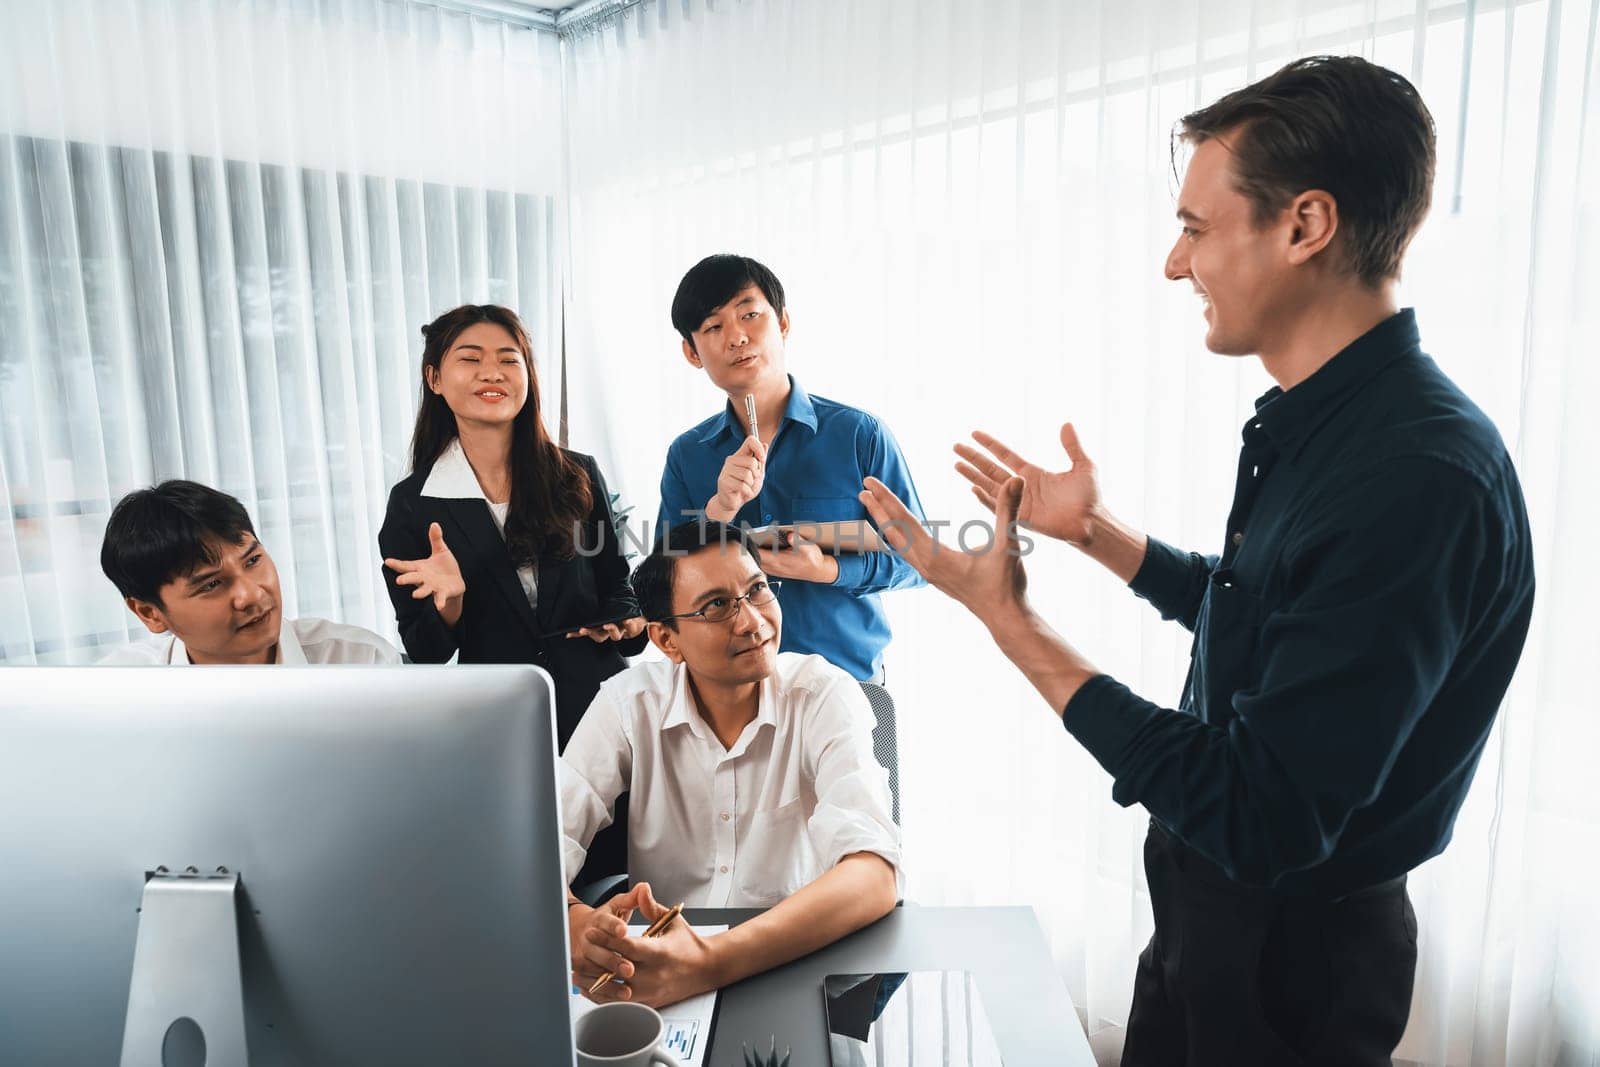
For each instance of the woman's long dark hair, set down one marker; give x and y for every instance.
(550, 494)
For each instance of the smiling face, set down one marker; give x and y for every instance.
(740, 344)
(737, 651)
(483, 377)
(1241, 271)
(224, 612)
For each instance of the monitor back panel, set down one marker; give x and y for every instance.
(394, 830)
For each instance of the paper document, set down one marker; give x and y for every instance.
(688, 1022)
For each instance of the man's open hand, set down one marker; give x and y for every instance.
(1060, 504)
(991, 582)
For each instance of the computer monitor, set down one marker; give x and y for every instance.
(393, 831)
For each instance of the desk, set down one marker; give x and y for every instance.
(1028, 1006)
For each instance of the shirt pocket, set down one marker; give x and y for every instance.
(774, 857)
(827, 509)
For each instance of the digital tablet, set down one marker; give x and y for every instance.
(848, 535)
(575, 627)
(908, 1019)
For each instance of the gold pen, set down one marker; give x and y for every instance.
(656, 929)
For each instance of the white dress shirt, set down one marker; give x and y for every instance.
(743, 827)
(452, 478)
(300, 641)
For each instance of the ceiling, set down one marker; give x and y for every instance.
(544, 15)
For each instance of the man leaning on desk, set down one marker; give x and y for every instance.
(752, 779)
(1354, 638)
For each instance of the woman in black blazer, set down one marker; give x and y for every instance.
(500, 546)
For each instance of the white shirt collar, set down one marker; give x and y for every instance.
(451, 477)
(682, 710)
(289, 651)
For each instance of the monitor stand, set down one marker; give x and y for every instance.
(186, 970)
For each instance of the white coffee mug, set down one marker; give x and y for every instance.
(620, 1034)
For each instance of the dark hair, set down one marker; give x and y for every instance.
(653, 578)
(1341, 124)
(550, 492)
(155, 535)
(713, 282)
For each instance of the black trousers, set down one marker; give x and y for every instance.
(1242, 976)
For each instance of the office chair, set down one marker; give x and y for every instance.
(885, 740)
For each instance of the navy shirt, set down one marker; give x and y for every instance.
(1352, 642)
(815, 465)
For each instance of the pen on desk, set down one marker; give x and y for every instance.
(750, 414)
(656, 929)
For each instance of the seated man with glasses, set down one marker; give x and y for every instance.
(751, 777)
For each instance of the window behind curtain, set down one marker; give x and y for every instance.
(249, 325)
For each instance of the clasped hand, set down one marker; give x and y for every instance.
(655, 971)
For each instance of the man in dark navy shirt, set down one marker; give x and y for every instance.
(1355, 636)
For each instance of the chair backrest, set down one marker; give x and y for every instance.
(885, 741)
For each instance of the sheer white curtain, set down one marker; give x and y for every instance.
(969, 205)
(221, 225)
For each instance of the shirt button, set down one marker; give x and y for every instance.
(1238, 536)
(767, 517)
(723, 868)
(724, 816)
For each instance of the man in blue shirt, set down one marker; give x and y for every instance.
(1357, 632)
(804, 463)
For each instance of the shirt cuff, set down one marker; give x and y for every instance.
(572, 857)
(1105, 716)
(1164, 573)
(888, 851)
(852, 569)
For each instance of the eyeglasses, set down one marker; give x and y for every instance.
(723, 608)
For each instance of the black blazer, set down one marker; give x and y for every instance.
(497, 625)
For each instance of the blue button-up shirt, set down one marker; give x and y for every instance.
(815, 466)
(1352, 641)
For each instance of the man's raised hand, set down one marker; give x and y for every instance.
(743, 474)
(991, 582)
(1059, 504)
